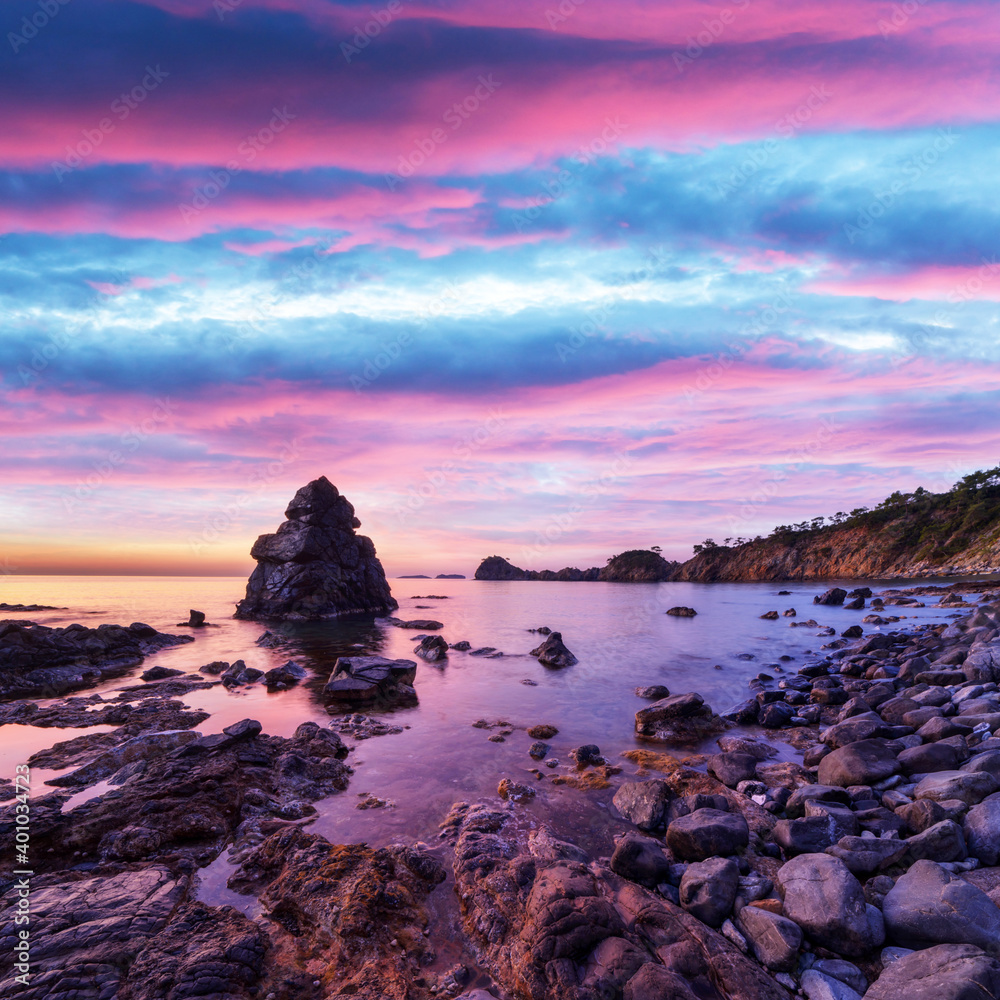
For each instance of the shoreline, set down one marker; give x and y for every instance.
(652, 790)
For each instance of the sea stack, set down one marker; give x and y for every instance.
(316, 565)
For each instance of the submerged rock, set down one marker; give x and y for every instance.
(371, 678)
(316, 565)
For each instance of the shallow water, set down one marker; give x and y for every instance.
(619, 632)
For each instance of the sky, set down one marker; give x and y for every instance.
(543, 279)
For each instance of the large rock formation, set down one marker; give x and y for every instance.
(316, 565)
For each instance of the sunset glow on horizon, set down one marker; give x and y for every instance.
(546, 280)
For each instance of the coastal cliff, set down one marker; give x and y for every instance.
(908, 535)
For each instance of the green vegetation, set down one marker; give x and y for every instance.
(637, 565)
(934, 526)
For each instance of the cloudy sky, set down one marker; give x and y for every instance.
(546, 279)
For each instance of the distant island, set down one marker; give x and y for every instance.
(424, 576)
(634, 566)
(916, 534)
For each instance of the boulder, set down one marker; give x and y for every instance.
(866, 762)
(316, 565)
(834, 596)
(827, 902)
(432, 648)
(928, 905)
(732, 768)
(553, 652)
(705, 833)
(941, 842)
(929, 757)
(982, 831)
(371, 679)
(681, 612)
(641, 859)
(968, 786)
(775, 940)
(943, 972)
(708, 889)
(680, 718)
(866, 855)
(644, 803)
(286, 676)
(819, 986)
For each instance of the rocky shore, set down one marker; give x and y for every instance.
(840, 839)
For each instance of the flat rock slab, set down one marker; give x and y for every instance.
(944, 972)
(863, 763)
(706, 833)
(370, 678)
(826, 901)
(928, 905)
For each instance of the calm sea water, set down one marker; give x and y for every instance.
(620, 633)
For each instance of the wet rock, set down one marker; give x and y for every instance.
(462, 647)
(160, 673)
(796, 804)
(316, 565)
(968, 786)
(644, 803)
(640, 859)
(834, 596)
(88, 928)
(539, 750)
(770, 616)
(808, 835)
(866, 855)
(196, 619)
(653, 693)
(863, 763)
(204, 951)
(365, 679)
(982, 830)
(681, 718)
(942, 972)
(543, 732)
(514, 791)
(36, 660)
(817, 986)
(682, 612)
(853, 632)
(286, 676)
(708, 889)
(356, 912)
(777, 715)
(551, 926)
(928, 905)
(704, 833)
(845, 972)
(775, 940)
(941, 842)
(418, 624)
(138, 749)
(929, 757)
(854, 729)
(921, 815)
(825, 900)
(553, 652)
(588, 754)
(432, 648)
(757, 749)
(732, 768)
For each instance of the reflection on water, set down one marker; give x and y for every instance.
(619, 632)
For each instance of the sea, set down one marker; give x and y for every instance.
(619, 632)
